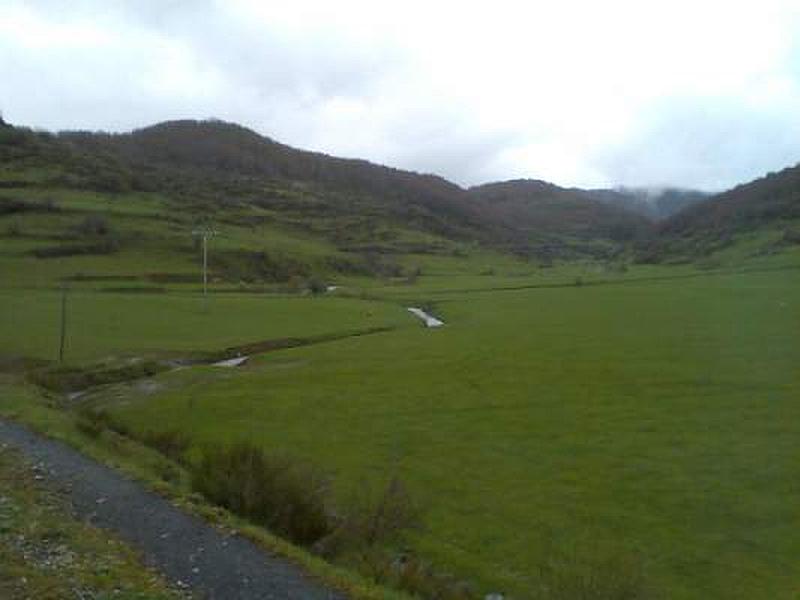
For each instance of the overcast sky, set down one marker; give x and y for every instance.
(692, 93)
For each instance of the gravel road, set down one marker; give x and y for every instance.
(185, 549)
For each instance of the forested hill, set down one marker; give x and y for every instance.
(227, 148)
(218, 163)
(764, 201)
(541, 208)
(768, 207)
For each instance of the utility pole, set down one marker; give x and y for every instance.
(64, 290)
(205, 233)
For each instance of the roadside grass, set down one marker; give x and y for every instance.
(292, 498)
(96, 436)
(48, 555)
(355, 532)
(286, 497)
(657, 419)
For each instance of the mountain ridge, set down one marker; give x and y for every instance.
(227, 148)
(213, 162)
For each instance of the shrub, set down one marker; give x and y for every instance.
(286, 496)
(71, 379)
(347, 266)
(167, 471)
(104, 246)
(372, 518)
(791, 236)
(317, 286)
(110, 181)
(9, 206)
(14, 229)
(421, 579)
(248, 266)
(413, 274)
(413, 575)
(292, 499)
(12, 206)
(93, 225)
(49, 205)
(296, 284)
(93, 421)
(172, 443)
(14, 136)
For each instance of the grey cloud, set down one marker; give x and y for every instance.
(466, 157)
(711, 146)
(283, 83)
(262, 56)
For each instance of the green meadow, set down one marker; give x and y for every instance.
(655, 421)
(585, 418)
(102, 325)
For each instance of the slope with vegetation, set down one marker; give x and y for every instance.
(759, 218)
(358, 207)
(584, 426)
(323, 228)
(559, 223)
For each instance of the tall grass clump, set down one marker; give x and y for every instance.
(371, 517)
(593, 574)
(91, 423)
(65, 379)
(286, 496)
(171, 443)
(413, 575)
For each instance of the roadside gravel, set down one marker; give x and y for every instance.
(187, 550)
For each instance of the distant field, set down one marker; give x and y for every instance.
(657, 420)
(134, 324)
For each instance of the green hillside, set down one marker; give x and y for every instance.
(758, 218)
(556, 222)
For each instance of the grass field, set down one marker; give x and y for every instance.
(655, 420)
(585, 419)
(135, 324)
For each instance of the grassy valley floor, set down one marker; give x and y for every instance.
(577, 423)
(651, 425)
